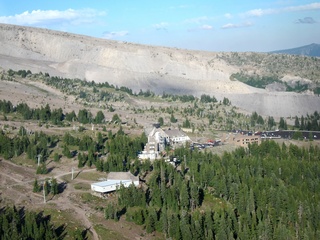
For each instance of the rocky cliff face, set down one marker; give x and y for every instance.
(138, 67)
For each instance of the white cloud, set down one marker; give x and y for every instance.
(311, 6)
(261, 12)
(206, 27)
(240, 25)
(161, 26)
(111, 35)
(47, 17)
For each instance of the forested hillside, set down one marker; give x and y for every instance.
(264, 192)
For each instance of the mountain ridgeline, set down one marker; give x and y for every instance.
(311, 50)
(169, 70)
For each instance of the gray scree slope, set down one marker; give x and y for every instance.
(159, 69)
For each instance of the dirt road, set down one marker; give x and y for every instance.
(16, 185)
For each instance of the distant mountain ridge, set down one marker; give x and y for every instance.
(311, 50)
(162, 69)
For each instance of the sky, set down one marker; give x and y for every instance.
(209, 25)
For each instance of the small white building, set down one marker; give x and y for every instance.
(111, 185)
(114, 181)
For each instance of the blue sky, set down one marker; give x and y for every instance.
(228, 25)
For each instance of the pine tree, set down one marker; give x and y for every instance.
(54, 186)
(36, 186)
(184, 196)
(42, 169)
(208, 225)
(195, 198)
(174, 226)
(66, 151)
(99, 117)
(185, 225)
(296, 122)
(161, 121)
(46, 187)
(173, 119)
(151, 220)
(302, 126)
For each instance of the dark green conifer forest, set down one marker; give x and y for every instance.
(21, 224)
(263, 192)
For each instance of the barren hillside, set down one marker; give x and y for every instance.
(159, 69)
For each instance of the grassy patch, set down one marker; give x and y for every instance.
(24, 161)
(88, 198)
(107, 233)
(66, 178)
(36, 87)
(92, 176)
(63, 218)
(214, 203)
(91, 201)
(81, 186)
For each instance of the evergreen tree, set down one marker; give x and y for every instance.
(99, 117)
(66, 151)
(184, 196)
(36, 187)
(161, 121)
(296, 122)
(116, 119)
(151, 220)
(260, 120)
(186, 123)
(302, 126)
(173, 119)
(84, 116)
(54, 186)
(282, 124)
(46, 187)
(71, 116)
(271, 122)
(42, 169)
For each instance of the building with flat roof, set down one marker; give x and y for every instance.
(176, 136)
(111, 185)
(242, 140)
(114, 181)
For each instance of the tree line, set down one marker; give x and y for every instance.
(309, 122)
(55, 116)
